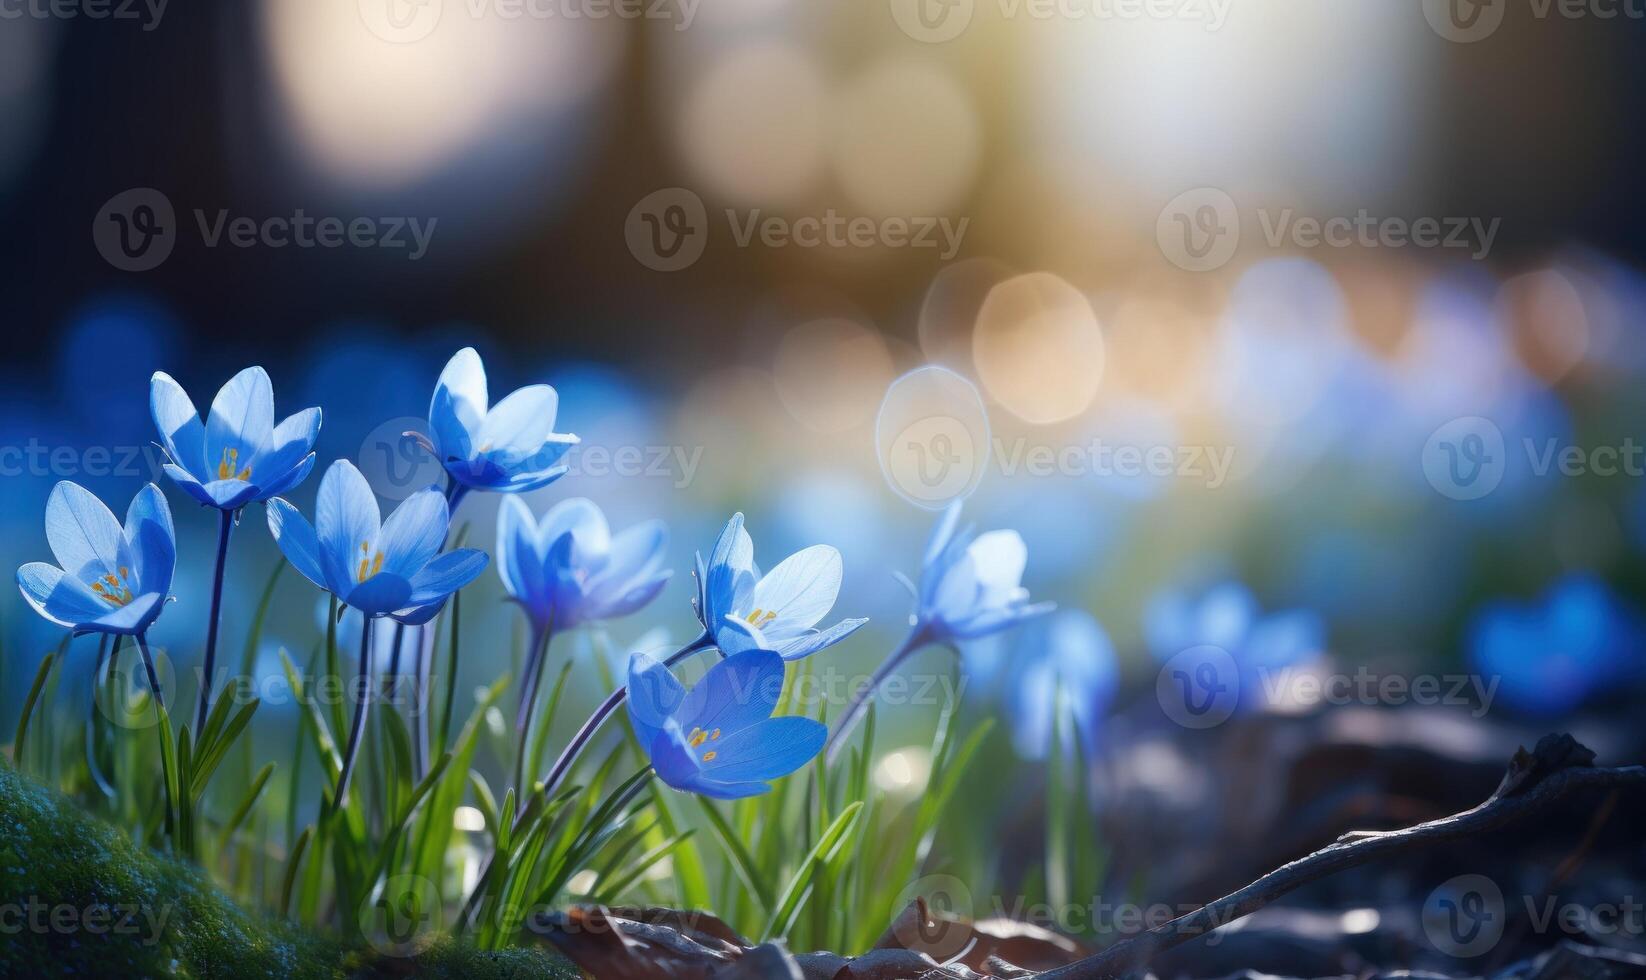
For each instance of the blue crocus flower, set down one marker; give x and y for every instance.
(1550, 656)
(238, 455)
(1222, 646)
(743, 610)
(1069, 666)
(510, 447)
(971, 586)
(382, 568)
(719, 739)
(108, 578)
(570, 569)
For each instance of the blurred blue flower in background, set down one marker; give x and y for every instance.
(743, 609)
(1227, 624)
(569, 569)
(1067, 668)
(382, 568)
(509, 447)
(113, 579)
(972, 586)
(719, 739)
(238, 455)
(1552, 655)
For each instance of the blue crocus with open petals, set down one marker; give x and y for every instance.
(743, 610)
(238, 455)
(382, 568)
(510, 447)
(108, 578)
(719, 739)
(570, 569)
(1219, 641)
(1576, 642)
(1068, 669)
(972, 586)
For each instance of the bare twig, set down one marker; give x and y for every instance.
(1535, 780)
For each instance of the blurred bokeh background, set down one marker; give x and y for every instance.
(1119, 256)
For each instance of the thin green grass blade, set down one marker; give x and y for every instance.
(20, 741)
(742, 861)
(246, 803)
(794, 894)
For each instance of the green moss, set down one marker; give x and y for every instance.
(78, 898)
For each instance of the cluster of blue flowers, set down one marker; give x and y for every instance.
(564, 569)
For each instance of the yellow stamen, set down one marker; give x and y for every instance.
(709, 756)
(714, 735)
(370, 564)
(697, 737)
(760, 617)
(228, 466)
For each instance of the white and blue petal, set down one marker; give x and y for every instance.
(241, 422)
(84, 536)
(809, 643)
(519, 424)
(134, 617)
(654, 695)
(801, 590)
(182, 433)
(765, 750)
(297, 541)
(414, 533)
(735, 693)
(152, 540)
(446, 574)
(346, 521)
(458, 406)
(60, 598)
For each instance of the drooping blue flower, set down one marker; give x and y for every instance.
(238, 455)
(510, 447)
(570, 569)
(972, 586)
(1550, 656)
(719, 739)
(742, 609)
(1224, 645)
(1068, 664)
(382, 568)
(111, 579)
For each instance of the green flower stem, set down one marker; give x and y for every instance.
(225, 526)
(843, 726)
(361, 707)
(531, 677)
